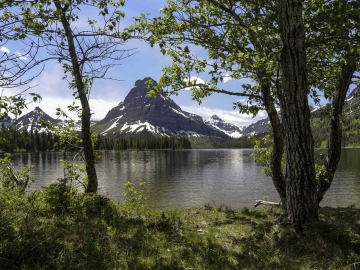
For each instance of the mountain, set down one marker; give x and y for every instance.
(31, 121)
(320, 121)
(258, 127)
(350, 119)
(141, 116)
(215, 122)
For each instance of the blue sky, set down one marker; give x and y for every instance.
(147, 62)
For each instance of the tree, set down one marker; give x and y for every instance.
(301, 199)
(14, 73)
(85, 54)
(267, 42)
(334, 39)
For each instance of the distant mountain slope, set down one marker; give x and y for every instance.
(217, 123)
(31, 121)
(258, 127)
(141, 116)
(320, 121)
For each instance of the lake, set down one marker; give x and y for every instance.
(194, 177)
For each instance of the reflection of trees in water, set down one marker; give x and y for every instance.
(165, 172)
(188, 177)
(47, 166)
(345, 189)
(350, 162)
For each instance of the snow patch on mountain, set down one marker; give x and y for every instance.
(138, 127)
(160, 116)
(229, 129)
(113, 125)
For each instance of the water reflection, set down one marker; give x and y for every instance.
(194, 177)
(345, 189)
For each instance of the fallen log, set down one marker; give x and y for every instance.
(262, 202)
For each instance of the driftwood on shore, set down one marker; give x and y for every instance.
(262, 202)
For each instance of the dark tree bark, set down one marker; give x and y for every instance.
(82, 94)
(334, 150)
(278, 145)
(301, 197)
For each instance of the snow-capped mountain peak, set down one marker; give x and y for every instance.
(216, 123)
(31, 121)
(141, 116)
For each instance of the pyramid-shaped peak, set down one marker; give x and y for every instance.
(215, 117)
(139, 91)
(140, 83)
(37, 111)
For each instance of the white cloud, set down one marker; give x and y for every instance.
(231, 116)
(51, 84)
(197, 80)
(243, 100)
(227, 78)
(194, 79)
(55, 93)
(99, 108)
(4, 49)
(21, 56)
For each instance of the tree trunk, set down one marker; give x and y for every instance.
(82, 94)
(300, 181)
(278, 145)
(334, 150)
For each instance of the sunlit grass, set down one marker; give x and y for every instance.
(55, 229)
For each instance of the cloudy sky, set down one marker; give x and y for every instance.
(147, 62)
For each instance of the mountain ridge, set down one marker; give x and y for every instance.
(230, 129)
(139, 115)
(161, 116)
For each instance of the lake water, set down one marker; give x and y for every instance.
(194, 177)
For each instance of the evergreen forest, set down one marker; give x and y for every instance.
(30, 141)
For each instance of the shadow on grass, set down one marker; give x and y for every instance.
(54, 229)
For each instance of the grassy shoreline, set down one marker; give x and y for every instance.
(58, 229)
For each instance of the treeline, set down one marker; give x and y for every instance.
(351, 131)
(242, 142)
(320, 124)
(30, 141)
(106, 143)
(26, 141)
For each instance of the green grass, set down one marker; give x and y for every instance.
(58, 229)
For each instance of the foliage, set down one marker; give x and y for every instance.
(134, 197)
(262, 153)
(11, 106)
(15, 73)
(242, 41)
(12, 179)
(256, 41)
(74, 173)
(350, 126)
(85, 54)
(242, 142)
(172, 142)
(67, 139)
(263, 150)
(237, 46)
(57, 228)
